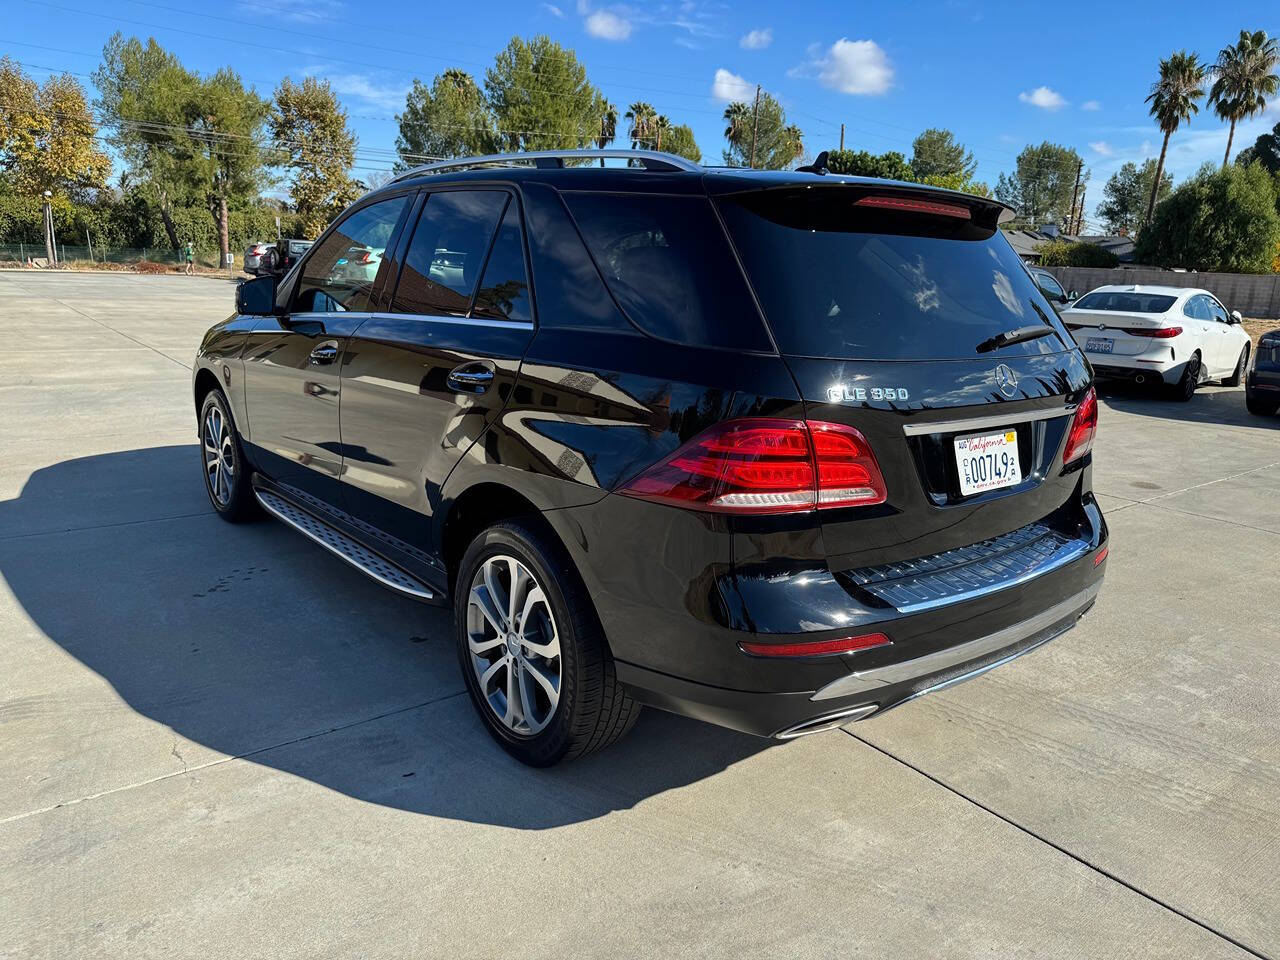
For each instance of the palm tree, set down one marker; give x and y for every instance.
(641, 116)
(1173, 101)
(790, 144)
(1244, 78)
(660, 125)
(737, 118)
(608, 126)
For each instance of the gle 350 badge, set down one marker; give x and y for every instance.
(842, 392)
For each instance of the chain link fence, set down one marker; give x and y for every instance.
(16, 254)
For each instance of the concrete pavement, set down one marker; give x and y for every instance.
(221, 741)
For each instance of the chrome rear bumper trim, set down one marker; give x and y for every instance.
(868, 681)
(915, 429)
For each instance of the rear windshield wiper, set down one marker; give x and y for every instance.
(1016, 335)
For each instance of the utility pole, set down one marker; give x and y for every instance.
(1074, 193)
(755, 126)
(842, 136)
(50, 244)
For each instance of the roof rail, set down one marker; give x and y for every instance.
(649, 159)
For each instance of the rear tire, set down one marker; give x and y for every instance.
(526, 631)
(1260, 408)
(1236, 378)
(226, 474)
(1185, 388)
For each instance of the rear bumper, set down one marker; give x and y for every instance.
(1153, 367)
(860, 694)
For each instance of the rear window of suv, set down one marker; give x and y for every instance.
(1126, 302)
(837, 280)
(666, 261)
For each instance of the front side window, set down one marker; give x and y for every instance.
(345, 269)
(1218, 310)
(1050, 286)
(447, 252)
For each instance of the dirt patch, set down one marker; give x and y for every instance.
(1256, 328)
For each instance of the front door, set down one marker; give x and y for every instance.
(421, 382)
(292, 361)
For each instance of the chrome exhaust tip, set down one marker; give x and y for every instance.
(828, 722)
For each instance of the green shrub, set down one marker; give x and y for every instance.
(1065, 253)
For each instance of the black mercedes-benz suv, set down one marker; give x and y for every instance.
(774, 450)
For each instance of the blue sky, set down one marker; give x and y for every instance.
(1000, 75)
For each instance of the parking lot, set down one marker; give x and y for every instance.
(222, 741)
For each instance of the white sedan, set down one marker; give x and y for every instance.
(1173, 336)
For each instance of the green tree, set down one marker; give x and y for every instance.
(451, 118)
(310, 136)
(540, 97)
(641, 119)
(1126, 195)
(860, 163)
(1041, 186)
(47, 136)
(954, 182)
(661, 127)
(1173, 102)
(1243, 79)
(763, 132)
(679, 140)
(1068, 253)
(608, 126)
(1265, 150)
(143, 94)
(1223, 220)
(935, 153)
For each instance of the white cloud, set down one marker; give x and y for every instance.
(858, 67)
(1101, 147)
(757, 39)
(729, 86)
(555, 11)
(608, 25)
(1044, 98)
(1091, 105)
(387, 95)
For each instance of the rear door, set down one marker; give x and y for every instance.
(292, 361)
(887, 308)
(422, 380)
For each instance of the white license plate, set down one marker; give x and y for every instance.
(988, 462)
(1099, 345)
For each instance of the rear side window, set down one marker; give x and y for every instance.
(837, 280)
(447, 252)
(667, 263)
(1125, 302)
(332, 278)
(504, 289)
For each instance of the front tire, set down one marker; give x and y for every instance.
(226, 477)
(1238, 376)
(1185, 388)
(534, 657)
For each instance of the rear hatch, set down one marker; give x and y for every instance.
(1121, 323)
(892, 306)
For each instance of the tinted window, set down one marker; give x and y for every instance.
(1125, 302)
(1050, 285)
(331, 280)
(666, 262)
(838, 280)
(504, 290)
(1196, 309)
(447, 251)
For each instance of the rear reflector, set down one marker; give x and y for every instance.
(1159, 333)
(1101, 555)
(759, 465)
(817, 648)
(1083, 427)
(916, 206)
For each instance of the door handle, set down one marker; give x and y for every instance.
(470, 378)
(325, 353)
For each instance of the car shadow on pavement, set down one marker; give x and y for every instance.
(252, 642)
(1209, 405)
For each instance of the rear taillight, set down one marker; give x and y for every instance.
(366, 257)
(766, 466)
(1083, 427)
(1159, 333)
(817, 648)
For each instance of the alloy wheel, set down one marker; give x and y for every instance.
(219, 455)
(514, 645)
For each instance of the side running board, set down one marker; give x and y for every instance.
(333, 540)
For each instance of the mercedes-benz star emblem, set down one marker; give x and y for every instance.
(1006, 380)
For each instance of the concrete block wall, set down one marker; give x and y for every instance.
(1254, 295)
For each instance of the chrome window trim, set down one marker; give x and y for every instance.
(466, 321)
(914, 429)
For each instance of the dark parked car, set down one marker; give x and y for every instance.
(1051, 288)
(773, 450)
(1262, 385)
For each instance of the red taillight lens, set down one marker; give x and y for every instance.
(766, 466)
(366, 257)
(1083, 427)
(1159, 333)
(817, 648)
(916, 206)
